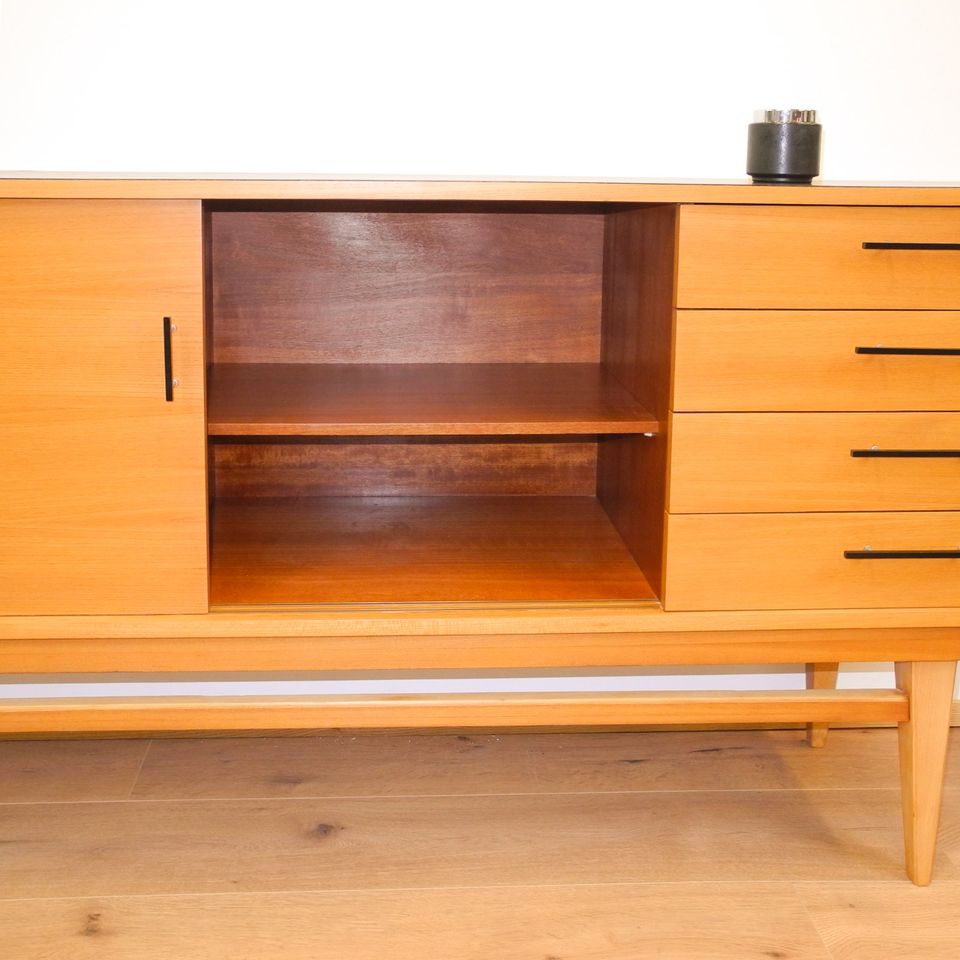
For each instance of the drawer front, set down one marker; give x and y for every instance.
(779, 462)
(813, 257)
(796, 561)
(793, 360)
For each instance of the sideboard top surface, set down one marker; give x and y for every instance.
(50, 185)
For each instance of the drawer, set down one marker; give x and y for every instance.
(813, 257)
(776, 561)
(793, 360)
(777, 462)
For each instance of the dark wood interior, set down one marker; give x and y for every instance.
(638, 304)
(369, 549)
(431, 402)
(408, 286)
(420, 466)
(419, 399)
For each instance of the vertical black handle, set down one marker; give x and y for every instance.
(167, 358)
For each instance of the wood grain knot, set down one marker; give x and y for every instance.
(323, 830)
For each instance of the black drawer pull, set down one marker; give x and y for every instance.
(911, 246)
(897, 454)
(911, 351)
(167, 358)
(902, 554)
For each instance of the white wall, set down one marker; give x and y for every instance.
(554, 88)
(642, 89)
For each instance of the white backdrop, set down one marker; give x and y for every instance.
(642, 89)
(493, 87)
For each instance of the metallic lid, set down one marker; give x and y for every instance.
(788, 116)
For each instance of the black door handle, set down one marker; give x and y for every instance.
(167, 358)
(911, 351)
(897, 454)
(902, 554)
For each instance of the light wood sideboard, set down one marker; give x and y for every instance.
(308, 424)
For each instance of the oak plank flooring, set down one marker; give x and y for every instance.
(949, 834)
(620, 922)
(206, 846)
(527, 763)
(69, 770)
(876, 921)
(742, 844)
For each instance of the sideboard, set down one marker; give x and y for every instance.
(311, 424)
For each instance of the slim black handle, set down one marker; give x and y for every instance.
(931, 454)
(902, 554)
(911, 351)
(168, 358)
(911, 246)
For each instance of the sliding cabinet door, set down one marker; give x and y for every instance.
(102, 437)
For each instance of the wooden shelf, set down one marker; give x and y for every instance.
(429, 399)
(369, 549)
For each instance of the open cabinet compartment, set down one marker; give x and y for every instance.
(417, 402)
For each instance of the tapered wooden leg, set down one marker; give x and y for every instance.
(820, 676)
(923, 753)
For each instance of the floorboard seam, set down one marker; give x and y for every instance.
(448, 796)
(323, 891)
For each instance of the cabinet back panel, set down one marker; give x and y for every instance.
(371, 286)
(421, 468)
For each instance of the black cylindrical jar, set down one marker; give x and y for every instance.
(784, 147)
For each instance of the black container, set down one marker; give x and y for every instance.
(784, 147)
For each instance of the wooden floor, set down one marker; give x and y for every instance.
(602, 846)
